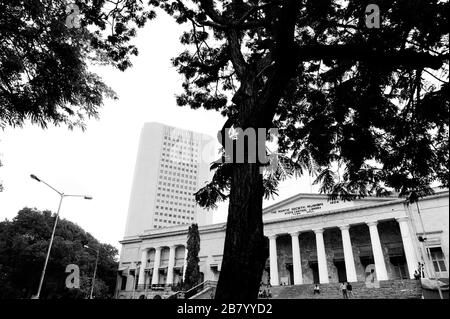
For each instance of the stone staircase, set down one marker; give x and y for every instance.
(207, 293)
(142, 294)
(388, 289)
(206, 290)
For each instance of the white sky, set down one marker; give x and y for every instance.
(100, 162)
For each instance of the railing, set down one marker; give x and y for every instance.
(180, 294)
(157, 287)
(196, 289)
(147, 287)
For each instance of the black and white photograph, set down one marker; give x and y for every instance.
(215, 158)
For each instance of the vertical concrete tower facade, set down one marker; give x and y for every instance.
(171, 165)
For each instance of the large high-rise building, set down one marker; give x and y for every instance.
(172, 164)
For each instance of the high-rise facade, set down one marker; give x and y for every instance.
(172, 164)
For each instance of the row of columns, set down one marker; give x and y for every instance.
(157, 264)
(380, 266)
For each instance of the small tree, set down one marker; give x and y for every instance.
(101, 290)
(23, 246)
(192, 276)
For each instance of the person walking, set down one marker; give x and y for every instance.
(349, 290)
(344, 290)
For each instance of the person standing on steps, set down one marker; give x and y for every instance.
(349, 290)
(417, 275)
(344, 290)
(316, 289)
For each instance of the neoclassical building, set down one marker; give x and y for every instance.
(312, 240)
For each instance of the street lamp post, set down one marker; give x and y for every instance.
(95, 269)
(137, 264)
(62, 196)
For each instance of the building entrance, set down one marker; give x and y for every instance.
(340, 266)
(315, 270)
(399, 267)
(290, 269)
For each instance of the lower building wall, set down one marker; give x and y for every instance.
(211, 251)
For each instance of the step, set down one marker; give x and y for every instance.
(388, 289)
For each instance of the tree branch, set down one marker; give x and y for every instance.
(283, 61)
(406, 58)
(237, 58)
(208, 7)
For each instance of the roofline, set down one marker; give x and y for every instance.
(181, 230)
(353, 208)
(199, 134)
(315, 195)
(172, 231)
(336, 211)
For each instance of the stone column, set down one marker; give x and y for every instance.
(274, 281)
(321, 256)
(185, 263)
(156, 263)
(296, 259)
(380, 266)
(141, 280)
(408, 245)
(171, 265)
(348, 254)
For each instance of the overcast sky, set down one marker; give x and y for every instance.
(100, 162)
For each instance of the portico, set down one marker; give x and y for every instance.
(347, 248)
(162, 266)
(343, 221)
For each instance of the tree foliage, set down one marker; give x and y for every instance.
(23, 246)
(373, 101)
(192, 276)
(44, 57)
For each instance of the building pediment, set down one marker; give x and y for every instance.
(309, 204)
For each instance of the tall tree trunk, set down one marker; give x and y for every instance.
(246, 248)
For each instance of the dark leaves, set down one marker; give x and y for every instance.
(43, 62)
(23, 247)
(192, 267)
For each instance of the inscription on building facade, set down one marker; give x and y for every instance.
(300, 210)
